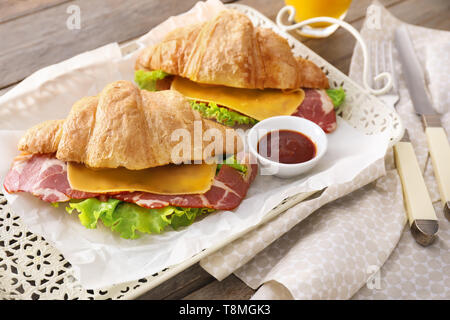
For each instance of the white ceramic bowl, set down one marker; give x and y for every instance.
(283, 170)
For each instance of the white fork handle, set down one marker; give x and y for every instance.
(419, 207)
(386, 75)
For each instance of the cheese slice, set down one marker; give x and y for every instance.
(255, 103)
(168, 180)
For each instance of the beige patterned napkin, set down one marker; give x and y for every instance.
(412, 271)
(235, 255)
(340, 249)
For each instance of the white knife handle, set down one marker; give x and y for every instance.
(419, 208)
(417, 199)
(440, 157)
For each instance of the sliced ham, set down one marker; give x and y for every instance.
(46, 177)
(318, 107)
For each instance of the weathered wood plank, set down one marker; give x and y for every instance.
(40, 39)
(269, 8)
(11, 9)
(180, 285)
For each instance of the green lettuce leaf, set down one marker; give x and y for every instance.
(183, 217)
(146, 80)
(222, 115)
(337, 96)
(131, 220)
(92, 209)
(232, 162)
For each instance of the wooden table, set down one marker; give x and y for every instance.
(34, 35)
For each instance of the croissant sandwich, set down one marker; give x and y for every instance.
(139, 161)
(236, 73)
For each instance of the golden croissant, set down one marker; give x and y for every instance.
(228, 50)
(126, 127)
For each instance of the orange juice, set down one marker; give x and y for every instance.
(306, 9)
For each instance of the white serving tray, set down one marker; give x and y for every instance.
(30, 268)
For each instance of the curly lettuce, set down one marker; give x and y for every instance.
(131, 220)
(337, 96)
(146, 80)
(222, 115)
(233, 162)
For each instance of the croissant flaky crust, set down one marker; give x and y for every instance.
(228, 50)
(136, 129)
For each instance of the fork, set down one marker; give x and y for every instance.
(419, 208)
(383, 51)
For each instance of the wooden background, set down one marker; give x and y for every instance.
(33, 35)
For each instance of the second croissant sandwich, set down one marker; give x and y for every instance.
(236, 73)
(115, 159)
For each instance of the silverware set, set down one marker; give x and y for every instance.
(420, 211)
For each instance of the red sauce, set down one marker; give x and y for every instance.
(292, 146)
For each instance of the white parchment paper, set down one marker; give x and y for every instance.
(99, 257)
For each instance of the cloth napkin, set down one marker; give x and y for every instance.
(340, 251)
(413, 271)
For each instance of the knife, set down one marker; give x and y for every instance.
(435, 133)
(419, 208)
